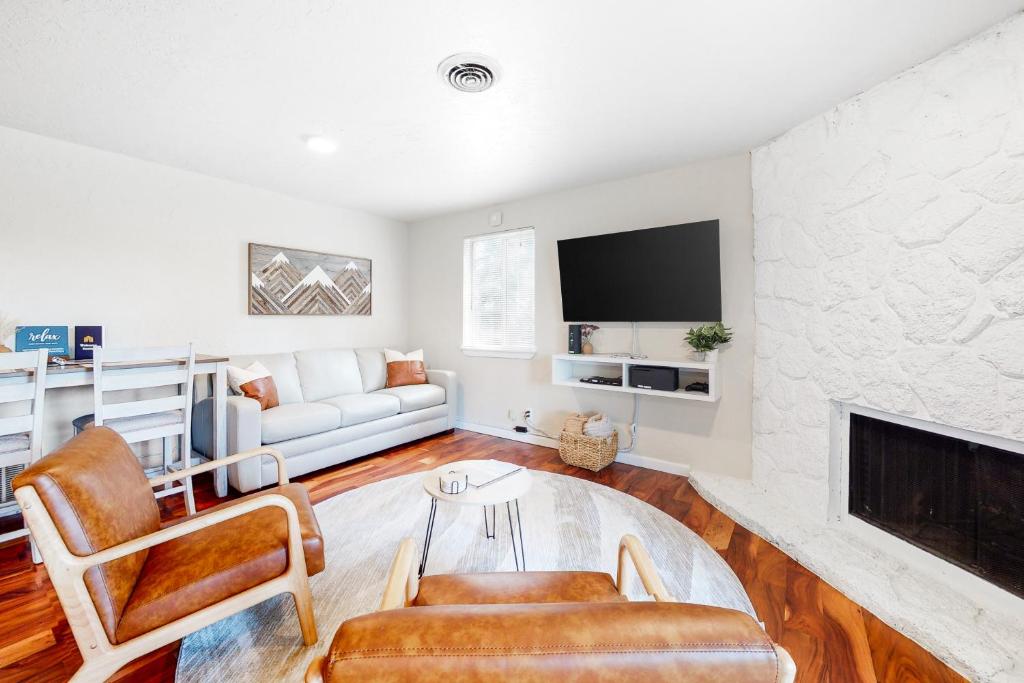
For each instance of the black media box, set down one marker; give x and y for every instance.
(654, 377)
(575, 339)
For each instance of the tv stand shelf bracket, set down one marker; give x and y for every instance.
(568, 368)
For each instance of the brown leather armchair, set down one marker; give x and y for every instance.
(546, 627)
(127, 585)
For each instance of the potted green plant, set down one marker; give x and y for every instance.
(706, 339)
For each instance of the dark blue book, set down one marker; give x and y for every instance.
(86, 337)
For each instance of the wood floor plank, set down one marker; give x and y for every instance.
(24, 648)
(830, 638)
(718, 532)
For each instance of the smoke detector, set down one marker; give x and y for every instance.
(469, 72)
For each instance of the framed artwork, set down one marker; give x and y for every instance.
(297, 282)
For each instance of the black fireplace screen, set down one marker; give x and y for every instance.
(959, 500)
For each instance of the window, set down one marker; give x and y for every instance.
(497, 294)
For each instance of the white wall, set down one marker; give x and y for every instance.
(889, 250)
(715, 437)
(159, 256)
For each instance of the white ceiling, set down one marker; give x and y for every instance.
(591, 89)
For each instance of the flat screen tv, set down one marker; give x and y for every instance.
(668, 274)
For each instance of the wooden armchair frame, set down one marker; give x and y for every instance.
(103, 658)
(402, 586)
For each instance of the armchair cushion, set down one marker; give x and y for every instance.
(556, 643)
(312, 538)
(202, 568)
(516, 587)
(98, 497)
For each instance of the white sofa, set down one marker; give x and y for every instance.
(333, 407)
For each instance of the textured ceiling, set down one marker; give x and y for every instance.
(591, 89)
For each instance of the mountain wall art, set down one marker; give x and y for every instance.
(298, 282)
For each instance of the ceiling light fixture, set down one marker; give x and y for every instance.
(469, 72)
(320, 144)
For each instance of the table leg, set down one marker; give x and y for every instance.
(426, 539)
(220, 431)
(519, 522)
(489, 530)
(522, 546)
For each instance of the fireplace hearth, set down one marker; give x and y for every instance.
(957, 499)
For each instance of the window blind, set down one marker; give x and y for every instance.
(498, 292)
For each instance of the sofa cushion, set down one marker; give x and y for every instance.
(335, 438)
(328, 372)
(416, 396)
(373, 369)
(202, 568)
(297, 419)
(282, 368)
(358, 408)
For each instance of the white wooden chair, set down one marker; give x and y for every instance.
(21, 436)
(168, 418)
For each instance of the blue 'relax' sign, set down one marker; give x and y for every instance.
(53, 337)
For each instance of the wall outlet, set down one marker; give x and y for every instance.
(518, 415)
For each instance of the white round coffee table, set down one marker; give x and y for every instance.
(491, 483)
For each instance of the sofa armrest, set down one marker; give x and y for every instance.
(244, 434)
(446, 379)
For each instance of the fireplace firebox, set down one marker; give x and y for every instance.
(957, 499)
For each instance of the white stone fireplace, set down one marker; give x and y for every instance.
(927, 559)
(889, 277)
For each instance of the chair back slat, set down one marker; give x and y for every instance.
(23, 379)
(110, 378)
(12, 393)
(147, 433)
(14, 458)
(21, 360)
(21, 424)
(113, 380)
(150, 406)
(150, 368)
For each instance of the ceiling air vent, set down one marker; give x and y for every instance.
(468, 72)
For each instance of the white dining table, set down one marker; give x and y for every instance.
(79, 374)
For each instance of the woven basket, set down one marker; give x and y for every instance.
(590, 452)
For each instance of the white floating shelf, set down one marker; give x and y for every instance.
(568, 368)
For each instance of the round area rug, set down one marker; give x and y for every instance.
(568, 523)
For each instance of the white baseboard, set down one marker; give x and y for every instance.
(636, 459)
(647, 462)
(502, 433)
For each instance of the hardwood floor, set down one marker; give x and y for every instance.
(831, 638)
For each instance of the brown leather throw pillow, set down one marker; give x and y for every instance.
(263, 390)
(254, 382)
(405, 372)
(405, 368)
